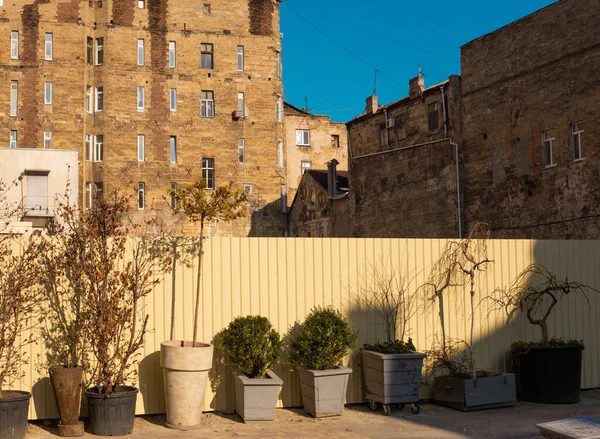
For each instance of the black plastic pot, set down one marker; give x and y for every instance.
(114, 414)
(551, 375)
(13, 415)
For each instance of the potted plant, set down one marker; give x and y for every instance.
(548, 370)
(458, 383)
(186, 363)
(322, 342)
(253, 347)
(18, 305)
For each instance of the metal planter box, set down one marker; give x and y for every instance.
(489, 390)
(256, 398)
(323, 391)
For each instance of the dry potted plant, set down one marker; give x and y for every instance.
(186, 363)
(549, 370)
(322, 342)
(253, 348)
(391, 369)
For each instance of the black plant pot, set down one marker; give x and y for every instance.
(13, 415)
(551, 375)
(114, 414)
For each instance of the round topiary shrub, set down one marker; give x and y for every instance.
(323, 340)
(251, 343)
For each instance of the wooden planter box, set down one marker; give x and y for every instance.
(256, 398)
(489, 390)
(324, 391)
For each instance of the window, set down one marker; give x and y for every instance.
(141, 195)
(89, 100)
(47, 139)
(98, 147)
(207, 104)
(99, 98)
(248, 189)
(278, 63)
(241, 104)
(433, 116)
(206, 8)
(280, 154)
(241, 150)
(279, 109)
(173, 99)
(172, 53)
(335, 141)
(401, 127)
(240, 58)
(172, 197)
(37, 192)
(90, 50)
(13, 139)
(99, 51)
(206, 56)
(141, 4)
(305, 165)
(303, 137)
(14, 97)
(14, 44)
(283, 192)
(141, 147)
(173, 149)
(547, 141)
(383, 140)
(208, 172)
(98, 190)
(140, 99)
(88, 194)
(88, 147)
(48, 52)
(140, 52)
(48, 93)
(576, 129)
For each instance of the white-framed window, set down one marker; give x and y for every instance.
(140, 52)
(141, 147)
(98, 147)
(248, 189)
(279, 109)
(207, 8)
(242, 151)
(90, 50)
(206, 56)
(547, 149)
(141, 195)
(141, 94)
(14, 97)
(37, 192)
(173, 99)
(305, 165)
(14, 44)
(240, 58)
(99, 51)
(88, 194)
(172, 54)
(241, 104)
(141, 4)
(173, 149)
(173, 198)
(47, 93)
(47, 139)
(280, 154)
(89, 150)
(207, 104)
(575, 132)
(13, 138)
(100, 98)
(48, 47)
(303, 137)
(89, 99)
(278, 63)
(208, 172)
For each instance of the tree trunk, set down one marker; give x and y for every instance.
(473, 324)
(173, 285)
(544, 328)
(200, 254)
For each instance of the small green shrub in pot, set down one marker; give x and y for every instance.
(391, 347)
(252, 344)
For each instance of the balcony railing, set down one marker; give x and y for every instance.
(38, 207)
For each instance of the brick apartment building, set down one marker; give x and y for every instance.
(154, 94)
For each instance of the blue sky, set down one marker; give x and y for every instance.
(331, 48)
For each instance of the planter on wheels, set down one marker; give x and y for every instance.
(256, 398)
(14, 408)
(323, 391)
(392, 379)
(551, 375)
(66, 382)
(185, 369)
(489, 390)
(114, 414)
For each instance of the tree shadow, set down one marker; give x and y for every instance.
(151, 383)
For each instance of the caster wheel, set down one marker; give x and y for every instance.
(372, 405)
(415, 409)
(400, 406)
(386, 409)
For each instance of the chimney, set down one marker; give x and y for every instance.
(416, 86)
(332, 176)
(372, 106)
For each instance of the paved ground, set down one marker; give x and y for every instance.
(359, 422)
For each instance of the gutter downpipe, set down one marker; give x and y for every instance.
(444, 108)
(458, 206)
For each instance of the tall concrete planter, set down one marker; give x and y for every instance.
(66, 382)
(14, 408)
(185, 371)
(256, 398)
(392, 379)
(324, 391)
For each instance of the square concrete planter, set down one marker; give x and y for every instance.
(256, 398)
(324, 391)
(489, 390)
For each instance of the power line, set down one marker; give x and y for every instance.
(549, 223)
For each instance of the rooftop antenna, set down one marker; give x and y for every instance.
(421, 72)
(306, 103)
(375, 85)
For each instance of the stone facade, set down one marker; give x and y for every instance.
(113, 48)
(403, 164)
(535, 79)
